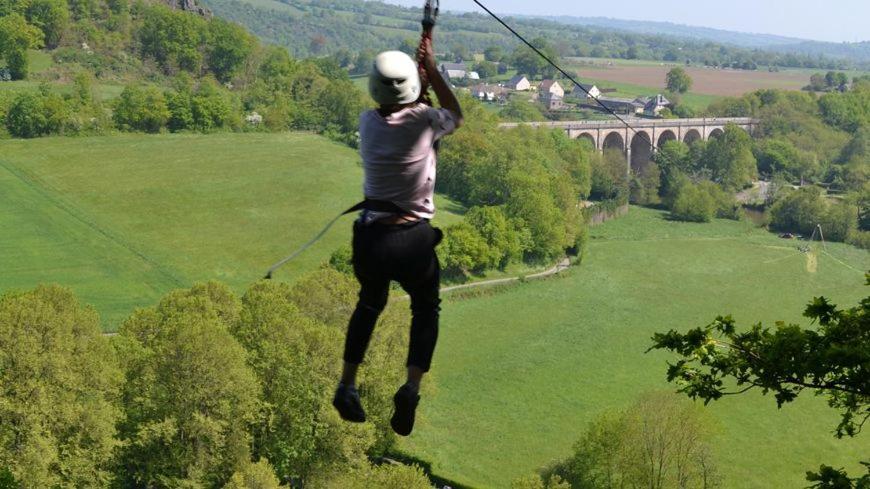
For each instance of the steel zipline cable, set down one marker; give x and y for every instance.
(431, 11)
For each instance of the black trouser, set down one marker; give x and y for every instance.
(404, 253)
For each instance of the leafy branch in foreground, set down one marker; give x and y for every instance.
(832, 360)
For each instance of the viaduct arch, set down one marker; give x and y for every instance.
(645, 136)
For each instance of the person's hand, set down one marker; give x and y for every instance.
(429, 63)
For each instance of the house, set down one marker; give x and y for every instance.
(453, 70)
(620, 105)
(519, 83)
(551, 87)
(654, 106)
(472, 75)
(489, 93)
(553, 101)
(584, 90)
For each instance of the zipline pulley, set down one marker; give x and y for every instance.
(430, 16)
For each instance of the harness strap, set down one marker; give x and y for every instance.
(377, 206)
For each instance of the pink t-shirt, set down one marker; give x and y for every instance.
(399, 157)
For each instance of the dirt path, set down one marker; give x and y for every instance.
(558, 267)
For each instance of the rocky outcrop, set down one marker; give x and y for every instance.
(189, 6)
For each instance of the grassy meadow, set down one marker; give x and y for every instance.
(519, 373)
(123, 219)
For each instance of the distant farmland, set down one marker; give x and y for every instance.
(707, 81)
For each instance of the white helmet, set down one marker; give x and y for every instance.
(394, 79)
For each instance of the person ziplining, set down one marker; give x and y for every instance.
(392, 237)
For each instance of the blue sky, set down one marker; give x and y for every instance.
(824, 20)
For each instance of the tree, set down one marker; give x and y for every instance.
(799, 211)
(829, 359)
(493, 54)
(521, 110)
(610, 177)
(678, 81)
(254, 476)
(506, 242)
(730, 160)
(363, 63)
(693, 203)
(172, 38)
(211, 107)
(528, 62)
(189, 397)
(486, 69)
(779, 156)
(59, 381)
(229, 46)
(294, 358)
(50, 16)
(659, 442)
(674, 161)
(464, 250)
(37, 114)
(16, 37)
(386, 476)
(141, 109)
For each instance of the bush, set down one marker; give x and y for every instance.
(693, 203)
(840, 220)
(36, 114)
(141, 109)
(505, 240)
(340, 260)
(858, 238)
(798, 211)
(463, 250)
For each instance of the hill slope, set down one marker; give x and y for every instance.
(520, 373)
(124, 219)
(308, 27)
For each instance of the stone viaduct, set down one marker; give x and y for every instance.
(645, 135)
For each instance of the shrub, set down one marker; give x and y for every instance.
(36, 114)
(858, 238)
(505, 240)
(839, 221)
(463, 250)
(341, 259)
(693, 203)
(141, 109)
(798, 211)
(212, 107)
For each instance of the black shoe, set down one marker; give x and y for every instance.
(405, 400)
(347, 402)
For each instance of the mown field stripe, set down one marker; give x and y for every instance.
(53, 197)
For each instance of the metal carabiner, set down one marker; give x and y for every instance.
(430, 13)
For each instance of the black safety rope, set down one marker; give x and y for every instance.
(565, 74)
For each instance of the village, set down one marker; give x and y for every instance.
(553, 96)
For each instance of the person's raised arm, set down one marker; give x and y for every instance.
(445, 96)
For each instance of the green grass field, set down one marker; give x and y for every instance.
(518, 374)
(124, 219)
